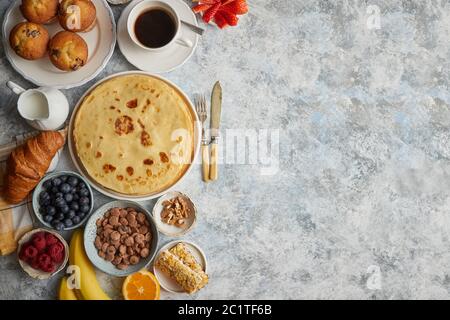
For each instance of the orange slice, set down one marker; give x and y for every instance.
(141, 285)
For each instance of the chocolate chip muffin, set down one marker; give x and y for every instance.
(77, 15)
(29, 40)
(39, 11)
(68, 51)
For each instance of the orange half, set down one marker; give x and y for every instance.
(141, 285)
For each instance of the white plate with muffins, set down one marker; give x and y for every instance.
(63, 44)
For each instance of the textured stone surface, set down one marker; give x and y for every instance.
(360, 205)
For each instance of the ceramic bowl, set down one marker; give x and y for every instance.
(172, 230)
(164, 280)
(39, 188)
(90, 232)
(38, 274)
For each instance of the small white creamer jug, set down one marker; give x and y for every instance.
(43, 108)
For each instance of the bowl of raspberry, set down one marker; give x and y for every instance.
(42, 253)
(63, 200)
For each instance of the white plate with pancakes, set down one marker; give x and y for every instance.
(101, 40)
(134, 136)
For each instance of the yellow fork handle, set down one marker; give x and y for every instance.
(205, 162)
(213, 169)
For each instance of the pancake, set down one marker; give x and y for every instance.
(134, 134)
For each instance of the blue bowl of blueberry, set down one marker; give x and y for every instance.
(63, 200)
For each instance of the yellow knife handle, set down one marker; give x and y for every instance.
(213, 170)
(205, 162)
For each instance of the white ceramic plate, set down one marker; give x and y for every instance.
(114, 194)
(168, 283)
(171, 230)
(101, 41)
(158, 62)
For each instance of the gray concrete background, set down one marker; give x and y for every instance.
(360, 205)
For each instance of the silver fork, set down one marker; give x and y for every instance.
(200, 106)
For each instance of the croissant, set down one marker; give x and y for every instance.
(29, 162)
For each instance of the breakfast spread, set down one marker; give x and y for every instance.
(175, 211)
(64, 201)
(123, 237)
(180, 265)
(28, 163)
(43, 252)
(77, 15)
(29, 40)
(134, 134)
(68, 51)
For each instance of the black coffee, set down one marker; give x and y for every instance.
(155, 28)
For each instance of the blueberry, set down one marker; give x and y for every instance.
(54, 190)
(64, 209)
(74, 206)
(56, 182)
(64, 178)
(81, 215)
(45, 202)
(60, 216)
(76, 197)
(73, 181)
(47, 184)
(44, 195)
(60, 226)
(42, 210)
(55, 222)
(68, 197)
(68, 222)
(83, 200)
(48, 219)
(51, 211)
(84, 193)
(76, 220)
(84, 208)
(70, 214)
(60, 202)
(65, 188)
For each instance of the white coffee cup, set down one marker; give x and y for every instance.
(147, 5)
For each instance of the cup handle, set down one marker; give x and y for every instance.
(184, 42)
(15, 87)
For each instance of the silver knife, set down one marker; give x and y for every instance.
(216, 109)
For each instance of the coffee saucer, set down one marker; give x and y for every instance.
(166, 60)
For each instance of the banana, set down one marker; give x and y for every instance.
(64, 292)
(89, 286)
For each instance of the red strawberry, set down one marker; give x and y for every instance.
(44, 260)
(51, 239)
(211, 12)
(231, 18)
(236, 7)
(201, 7)
(220, 20)
(38, 241)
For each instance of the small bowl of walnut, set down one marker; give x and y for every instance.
(175, 214)
(121, 238)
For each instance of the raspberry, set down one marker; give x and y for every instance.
(39, 241)
(22, 255)
(56, 252)
(44, 260)
(50, 267)
(30, 252)
(34, 263)
(51, 239)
